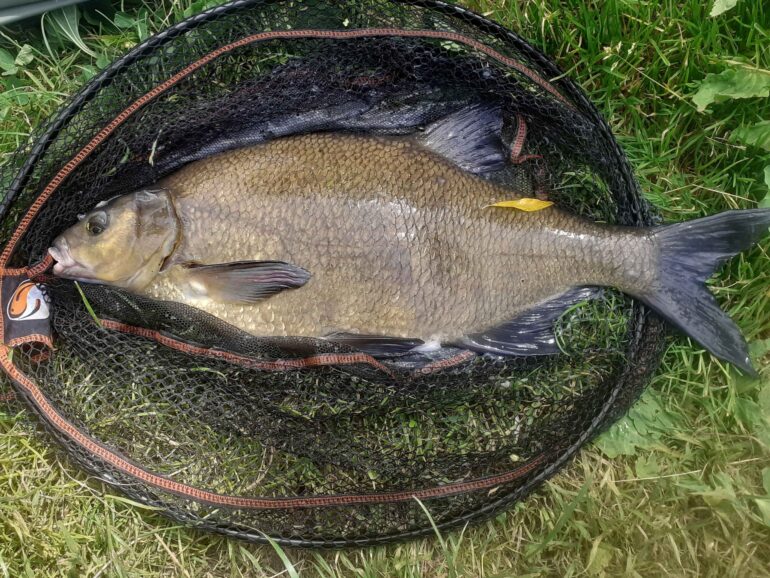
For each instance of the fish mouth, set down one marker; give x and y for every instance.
(66, 266)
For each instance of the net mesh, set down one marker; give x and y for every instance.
(183, 398)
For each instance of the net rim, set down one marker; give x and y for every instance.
(640, 213)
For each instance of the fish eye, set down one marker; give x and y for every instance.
(96, 224)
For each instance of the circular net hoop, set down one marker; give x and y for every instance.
(228, 432)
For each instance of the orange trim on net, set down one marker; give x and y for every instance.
(521, 136)
(320, 360)
(461, 357)
(518, 143)
(30, 272)
(33, 338)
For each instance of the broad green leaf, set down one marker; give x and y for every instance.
(720, 492)
(642, 428)
(722, 6)
(757, 135)
(141, 25)
(199, 6)
(620, 440)
(7, 62)
(123, 20)
(759, 347)
(102, 61)
(763, 399)
(88, 72)
(599, 558)
(750, 414)
(94, 17)
(65, 22)
(763, 504)
(763, 433)
(649, 416)
(646, 467)
(694, 486)
(24, 56)
(732, 83)
(126, 21)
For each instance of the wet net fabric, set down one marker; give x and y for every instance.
(298, 439)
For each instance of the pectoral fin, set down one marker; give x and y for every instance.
(242, 281)
(531, 332)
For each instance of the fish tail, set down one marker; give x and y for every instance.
(688, 254)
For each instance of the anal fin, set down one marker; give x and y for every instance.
(530, 332)
(375, 345)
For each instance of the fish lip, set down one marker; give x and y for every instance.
(66, 266)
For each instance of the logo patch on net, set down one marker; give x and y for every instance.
(29, 302)
(26, 309)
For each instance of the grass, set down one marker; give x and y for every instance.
(679, 487)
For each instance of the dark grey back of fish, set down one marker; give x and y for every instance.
(389, 103)
(318, 95)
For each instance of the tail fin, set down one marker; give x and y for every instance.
(689, 254)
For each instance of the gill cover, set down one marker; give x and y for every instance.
(122, 242)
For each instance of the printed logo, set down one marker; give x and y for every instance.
(28, 302)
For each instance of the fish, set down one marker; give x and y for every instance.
(394, 244)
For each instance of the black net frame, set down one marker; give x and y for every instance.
(308, 418)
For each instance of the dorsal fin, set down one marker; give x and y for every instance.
(470, 138)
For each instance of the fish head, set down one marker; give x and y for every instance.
(122, 242)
